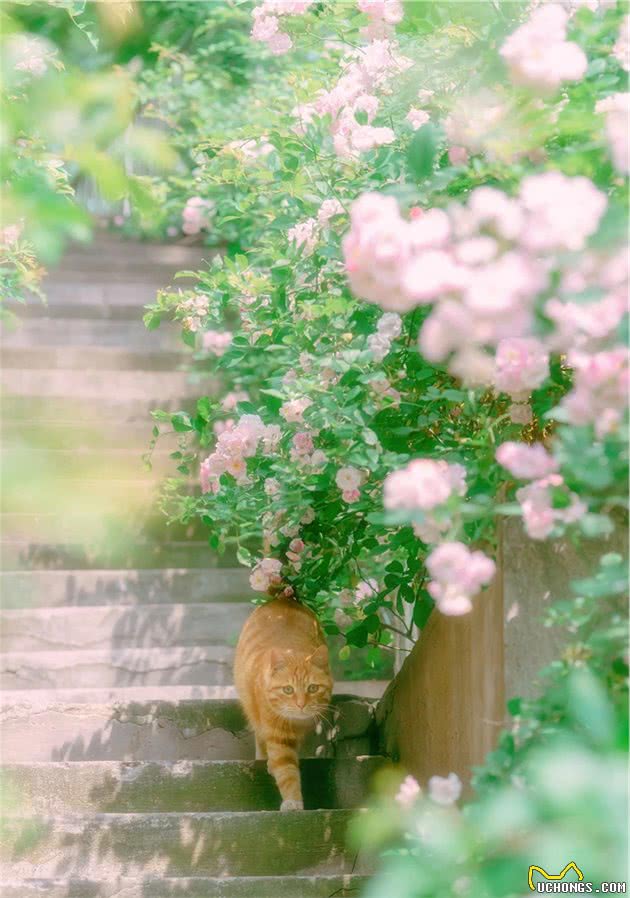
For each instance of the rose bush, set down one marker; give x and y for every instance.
(68, 115)
(420, 327)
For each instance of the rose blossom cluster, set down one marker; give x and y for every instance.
(527, 462)
(293, 409)
(10, 234)
(29, 54)
(249, 150)
(417, 117)
(457, 575)
(409, 792)
(303, 451)
(388, 328)
(382, 15)
(534, 463)
(539, 56)
(216, 342)
(365, 71)
(600, 389)
(305, 234)
(349, 479)
(425, 485)
(194, 309)
(521, 364)
(197, 215)
(616, 109)
(266, 26)
(267, 573)
(234, 447)
(482, 264)
(445, 790)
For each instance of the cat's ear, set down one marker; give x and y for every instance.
(277, 659)
(320, 657)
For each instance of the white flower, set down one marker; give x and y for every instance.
(348, 479)
(445, 790)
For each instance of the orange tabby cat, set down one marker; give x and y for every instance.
(283, 681)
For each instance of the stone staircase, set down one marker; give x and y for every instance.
(127, 768)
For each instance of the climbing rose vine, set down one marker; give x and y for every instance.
(416, 325)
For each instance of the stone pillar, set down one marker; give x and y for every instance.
(445, 707)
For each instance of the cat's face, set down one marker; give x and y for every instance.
(298, 686)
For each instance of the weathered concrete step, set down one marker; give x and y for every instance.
(108, 786)
(92, 358)
(77, 333)
(261, 843)
(34, 589)
(89, 308)
(110, 627)
(347, 886)
(93, 463)
(80, 695)
(77, 289)
(99, 528)
(73, 411)
(117, 496)
(50, 435)
(150, 386)
(101, 668)
(49, 725)
(113, 252)
(28, 555)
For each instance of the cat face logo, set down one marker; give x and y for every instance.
(556, 877)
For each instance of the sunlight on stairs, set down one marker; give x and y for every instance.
(128, 770)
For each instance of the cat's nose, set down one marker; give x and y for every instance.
(300, 702)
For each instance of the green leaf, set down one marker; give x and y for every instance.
(244, 556)
(422, 151)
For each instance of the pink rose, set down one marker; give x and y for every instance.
(526, 462)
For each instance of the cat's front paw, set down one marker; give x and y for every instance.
(292, 804)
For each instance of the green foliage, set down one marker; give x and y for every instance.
(60, 124)
(554, 790)
(299, 332)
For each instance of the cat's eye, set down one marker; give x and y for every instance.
(288, 690)
(313, 688)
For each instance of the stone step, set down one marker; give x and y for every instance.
(103, 529)
(56, 589)
(87, 412)
(110, 627)
(108, 786)
(108, 464)
(78, 290)
(34, 589)
(347, 886)
(162, 725)
(29, 555)
(92, 358)
(101, 668)
(76, 333)
(245, 843)
(89, 307)
(193, 665)
(109, 252)
(73, 436)
(152, 387)
(98, 497)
